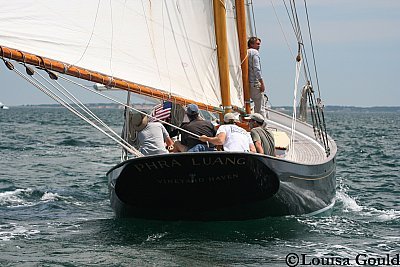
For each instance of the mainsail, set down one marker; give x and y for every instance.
(166, 45)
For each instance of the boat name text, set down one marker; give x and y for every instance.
(206, 161)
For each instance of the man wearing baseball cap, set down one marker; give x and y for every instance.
(198, 126)
(231, 136)
(262, 138)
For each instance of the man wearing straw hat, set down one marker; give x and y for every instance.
(152, 136)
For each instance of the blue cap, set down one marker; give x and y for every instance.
(192, 109)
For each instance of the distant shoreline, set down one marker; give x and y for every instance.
(284, 108)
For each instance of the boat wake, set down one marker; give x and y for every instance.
(351, 205)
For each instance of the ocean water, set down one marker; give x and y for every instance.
(55, 211)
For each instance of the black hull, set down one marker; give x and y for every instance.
(213, 186)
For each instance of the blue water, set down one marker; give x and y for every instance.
(55, 211)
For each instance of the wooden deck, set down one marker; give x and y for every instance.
(306, 149)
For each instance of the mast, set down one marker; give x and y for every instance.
(242, 36)
(222, 52)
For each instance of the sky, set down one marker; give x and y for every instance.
(356, 46)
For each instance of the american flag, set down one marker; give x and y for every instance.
(162, 111)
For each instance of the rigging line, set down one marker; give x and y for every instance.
(90, 38)
(253, 17)
(293, 21)
(80, 105)
(176, 45)
(306, 66)
(290, 18)
(151, 40)
(125, 129)
(312, 48)
(297, 29)
(111, 41)
(70, 108)
(126, 106)
(320, 118)
(296, 20)
(325, 134)
(190, 53)
(165, 48)
(313, 114)
(281, 26)
(294, 115)
(76, 101)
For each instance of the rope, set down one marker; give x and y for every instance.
(129, 107)
(58, 99)
(125, 131)
(188, 49)
(151, 40)
(253, 17)
(312, 49)
(111, 41)
(294, 116)
(165, 49)
(90, 38)
(76, 101)
(283, 32)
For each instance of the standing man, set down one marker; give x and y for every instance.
(257, 86)
(262, 138)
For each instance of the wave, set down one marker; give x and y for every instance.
(13, 230)
(79, 143)
(16, 197)
(29, 197)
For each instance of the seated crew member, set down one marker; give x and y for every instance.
(231, 136)
(198, 126)
(262, 138)
(152, 136)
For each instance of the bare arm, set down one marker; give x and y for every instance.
(216, 140)
(169, 141)
(259, 147)
(252, 148)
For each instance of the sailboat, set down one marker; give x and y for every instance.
(184, 52)
(2, 106)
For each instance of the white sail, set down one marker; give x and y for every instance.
(167, 45)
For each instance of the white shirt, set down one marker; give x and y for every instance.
(237, 139)
(254, 65)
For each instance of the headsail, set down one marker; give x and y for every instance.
(166, 45)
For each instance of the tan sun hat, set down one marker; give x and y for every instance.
(230, 116)
(139, 121)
